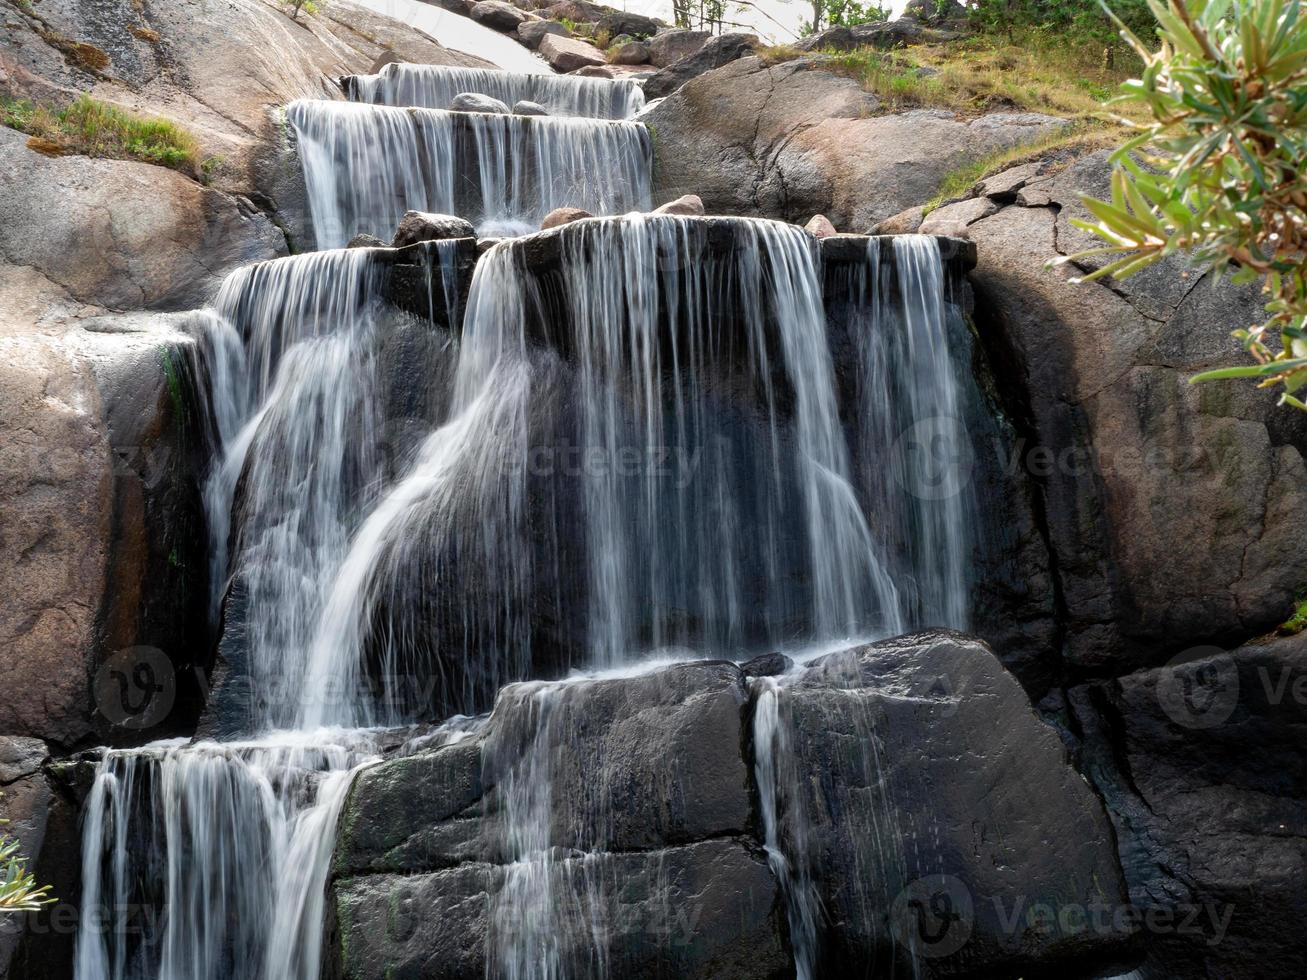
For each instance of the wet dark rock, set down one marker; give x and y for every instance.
(927, 745)
(768, 665)
(1201, 768)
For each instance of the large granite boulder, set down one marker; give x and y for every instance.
(713, 53)
(794, 139)
(499, 15)
(566, 54)
(937, 818)
(1201, 767)
(621, 818)
(669, 47)
(104, 528)
(1174, 510)
(591, 819)
(884, 35)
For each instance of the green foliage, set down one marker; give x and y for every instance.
(19, 891)
(308, 6)
(1078, 20)
(94, 128)
(1223, 155)
(1298, 621)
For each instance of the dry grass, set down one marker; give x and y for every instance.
(93, 128)
(1074, 141)
(980, 74)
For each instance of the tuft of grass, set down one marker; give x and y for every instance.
(1080, 138)
(90, 127)
(778, 54)
(146, 34)
(1298, 621)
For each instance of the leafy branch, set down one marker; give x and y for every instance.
(1222, 176)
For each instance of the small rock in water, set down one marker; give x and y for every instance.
(819, 226)
(421, 226)
(525, 108)
(631, 53)
(533, 32)
(484, 245)
(595, 71)
(687, 204)
(472, 102)
(768, 665)
(563, 216)
(366, 241)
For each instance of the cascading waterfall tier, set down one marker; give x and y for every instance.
(365, 165)
(435, 87)
(645, 453)
(209, 861)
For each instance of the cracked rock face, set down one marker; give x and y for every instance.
(1174, 510)
(1201, 767)
(793, 139)
(637, 802)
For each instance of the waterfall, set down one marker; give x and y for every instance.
(225, 847)
(699, 440)
(435, 86)
(914, 389)
(209, 861)
(914, 394)
(365, 165)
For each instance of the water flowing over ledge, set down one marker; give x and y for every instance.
(635, 451)
(364, 166)
(435, 86)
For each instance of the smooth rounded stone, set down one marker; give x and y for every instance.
(596, 71)
(668, 47)
(528, 108)
(687, 204)
(567, 54)
(498, 15)
(767, 665)
(819, 226)
(473, 102)
(631, 53)
(532, 32)
(422, 226)
(563, 216)
(364, 240)
(904, 223)
(714, 53)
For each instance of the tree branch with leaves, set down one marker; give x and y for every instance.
(1218, 169)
